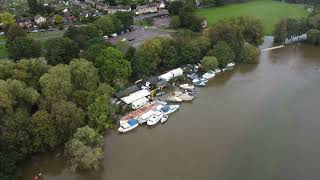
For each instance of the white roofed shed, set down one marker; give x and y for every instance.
(135, 96)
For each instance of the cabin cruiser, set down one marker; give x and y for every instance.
(155, 118)
(174, 99)
(144, 117)
(205, 80)
(208, 75)
(185, 96)
(187, 87)
(128, 126)
(200, 83)
(168, 109)
(230, 65)
(164, 118)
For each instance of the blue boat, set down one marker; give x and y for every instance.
(129, 125)
(200, 83)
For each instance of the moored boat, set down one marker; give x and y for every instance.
(200, 83)
(164, 118)
(187, 87)
(144, 117)
(217, 70)
(185, 96)
(198, 80)
(174, 99)
(208, 75)
(128, 126)
(155, 118)
(169, 109)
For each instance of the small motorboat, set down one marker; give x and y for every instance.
(198, 79)
(155, 118)
(187, 87)
(174, 99)
(128, 126)
(231, 64)
(164, 118)
(208, 75)
(169, 109)
(217, 70)
(160, 93)
(200, 83)
(192, 76)
(144, 117)
(185, 96)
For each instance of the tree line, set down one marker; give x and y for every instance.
(64, 97)
(288, 28)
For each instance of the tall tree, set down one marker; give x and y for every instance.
(85, 149)
(223, 52)
(22, 47)
(113, 68)
(60, 50)
(84, 75)
(7, 19)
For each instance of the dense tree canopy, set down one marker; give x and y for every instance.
(23, 47)
(60, 50)
(85, 149)
(209, 63)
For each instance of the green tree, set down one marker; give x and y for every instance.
(223, 52)
(14, 32)
(314, 21)
(280, 31)
(249, 54)
(230, 32)
(22, 47)
(175, 22)
(252, 29)
(85, 149)
(112, 67)
(43, 131)
(67, 117)
(58, 20)
(107, 25)
(34, 6)
(56, 84)
(313, 36)
(60, 50)
(92, 51)
(7, 19)
(84, 75)
(209, 63)
(126, 18)
(100, 113)
(174, 7)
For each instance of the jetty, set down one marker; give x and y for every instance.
(272, 48)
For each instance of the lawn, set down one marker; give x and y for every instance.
(267, 10)
(43, 36)
(3, 51)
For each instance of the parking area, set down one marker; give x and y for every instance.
(139, 35)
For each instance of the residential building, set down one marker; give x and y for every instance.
(120, 8)
(39, 19)
(148, 8)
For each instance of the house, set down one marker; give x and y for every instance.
(120, 8)
(39, 19)
(24, 22)
(148, 8)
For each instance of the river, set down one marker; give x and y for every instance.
(257, 122)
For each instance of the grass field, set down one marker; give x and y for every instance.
(267, 10)
(42, 36)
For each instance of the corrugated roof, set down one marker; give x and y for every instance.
(135, 96)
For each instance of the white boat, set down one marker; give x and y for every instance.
(187, 87)
(231, 65)
(217, 70)
(208, 75)
(185, 96)
(174, 99)
(202, 79)
(170, 109)
(155, 118)
(164, 118)
(144, 117)
(129, 125)
(200, 83)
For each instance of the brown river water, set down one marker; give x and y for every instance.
(257, 122)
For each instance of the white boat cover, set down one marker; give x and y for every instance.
(135, 96)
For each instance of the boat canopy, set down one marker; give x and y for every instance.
(132, 122)
(135, 96)
(165, 108)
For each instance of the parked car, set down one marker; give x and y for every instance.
(1, 33)
(105, 37)
(114, 35)
(123, 39)
(131, 39)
